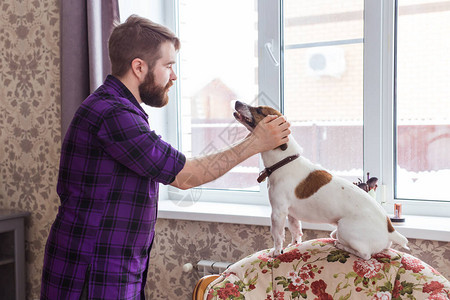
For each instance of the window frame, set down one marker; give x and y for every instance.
(420, 207)
(378, 107)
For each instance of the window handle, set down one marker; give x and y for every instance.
(269, 49)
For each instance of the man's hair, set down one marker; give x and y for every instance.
(137, 38)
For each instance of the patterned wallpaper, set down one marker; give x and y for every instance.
(29, 155)
(30, 120)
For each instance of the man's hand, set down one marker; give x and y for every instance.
(271, 132)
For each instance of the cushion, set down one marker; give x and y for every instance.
(316, 269)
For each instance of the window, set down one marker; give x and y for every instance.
(323, 81)
(362, 82)
(423, 100)
(218, 64)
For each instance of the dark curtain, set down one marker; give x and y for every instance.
(85, 29)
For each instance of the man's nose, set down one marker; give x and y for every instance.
(173, 76)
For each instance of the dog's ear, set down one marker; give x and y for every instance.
(283, 147)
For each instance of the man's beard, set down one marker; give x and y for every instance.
(153, 95)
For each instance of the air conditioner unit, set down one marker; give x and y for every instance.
(325, 61)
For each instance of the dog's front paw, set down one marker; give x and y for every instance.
(293, 244)
(274, 252)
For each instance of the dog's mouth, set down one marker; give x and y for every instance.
(243, 115)
(250, 116)
(243, 119)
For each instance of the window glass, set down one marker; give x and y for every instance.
(423, 100)
(321, 86)
(218, 64)
(323, 82)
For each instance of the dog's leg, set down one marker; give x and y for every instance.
(351, 238)
(348, 249)
(389, 245)
(277, 230)
(295, 227)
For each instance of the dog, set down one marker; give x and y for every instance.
(303, 191)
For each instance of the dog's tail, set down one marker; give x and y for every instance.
(395, 236)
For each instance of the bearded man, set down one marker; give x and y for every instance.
(111, 166)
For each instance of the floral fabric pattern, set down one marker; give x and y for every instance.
(315, 269)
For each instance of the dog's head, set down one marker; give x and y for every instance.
(250, 116)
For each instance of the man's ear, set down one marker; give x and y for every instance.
(139, 68)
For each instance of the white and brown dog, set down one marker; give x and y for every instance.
(301, 190)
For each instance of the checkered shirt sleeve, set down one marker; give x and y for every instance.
(128, 140)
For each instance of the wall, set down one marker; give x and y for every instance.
(30, 120)
(179, 242)
(29, 156)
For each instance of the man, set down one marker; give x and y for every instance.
(111, 165)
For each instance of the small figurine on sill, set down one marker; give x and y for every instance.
(370, 186)
(362, 185)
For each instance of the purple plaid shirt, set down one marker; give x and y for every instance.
(111, 164)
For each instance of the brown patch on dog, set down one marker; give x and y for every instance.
(389, 225)
(311, 184)
(261, 112)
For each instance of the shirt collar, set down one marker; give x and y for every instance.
(123, 91)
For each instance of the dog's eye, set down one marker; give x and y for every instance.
(259, 111)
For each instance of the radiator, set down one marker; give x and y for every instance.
(207, 267)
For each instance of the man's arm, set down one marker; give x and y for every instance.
(270, 133)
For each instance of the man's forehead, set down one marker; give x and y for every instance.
(168, 52)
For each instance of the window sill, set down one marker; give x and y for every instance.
(416, 227)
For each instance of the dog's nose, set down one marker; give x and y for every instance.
(236, 104)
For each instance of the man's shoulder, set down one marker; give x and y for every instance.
(98, 107)
(102, 102)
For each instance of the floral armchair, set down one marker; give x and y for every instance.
(316, 269)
